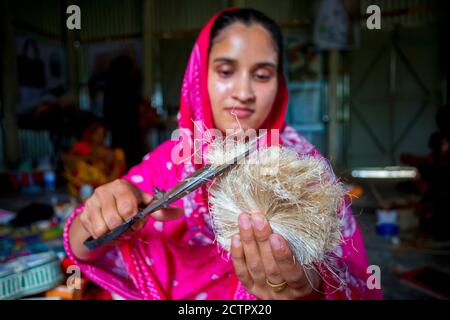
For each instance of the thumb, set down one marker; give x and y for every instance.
(170, 213)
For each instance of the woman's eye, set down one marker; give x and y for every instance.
(262, 76)
(225, 73)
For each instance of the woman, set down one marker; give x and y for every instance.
(91, 161)
(234, 80)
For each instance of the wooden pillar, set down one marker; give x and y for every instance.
(333, 100)
(9, 88)
(71, 41)
(148, 39)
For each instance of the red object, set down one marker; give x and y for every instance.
(66, 262)
(82, 148)
(95, 292)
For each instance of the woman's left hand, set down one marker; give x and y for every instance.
(262, 258)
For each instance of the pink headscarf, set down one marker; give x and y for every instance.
(195, 103)
(179, 259)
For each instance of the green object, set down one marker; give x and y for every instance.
(52, 233)
(29, 275)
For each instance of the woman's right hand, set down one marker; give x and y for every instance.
(111, 205)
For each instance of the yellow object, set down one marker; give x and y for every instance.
(66, 293)
(79, 171)
(355, 192)
(277, 287)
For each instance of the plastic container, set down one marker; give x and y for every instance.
(30, 275)
(387, 224)
(50, 180)
(86, 191)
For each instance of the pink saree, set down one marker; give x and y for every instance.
(179, 259)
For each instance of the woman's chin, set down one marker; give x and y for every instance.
(235, 126)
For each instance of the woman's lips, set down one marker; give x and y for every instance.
(240, 113)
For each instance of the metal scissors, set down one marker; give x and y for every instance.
(163, 199)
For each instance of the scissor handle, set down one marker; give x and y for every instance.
(92, 243)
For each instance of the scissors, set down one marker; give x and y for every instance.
(163, 199)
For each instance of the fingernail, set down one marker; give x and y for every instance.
(236, 241)
(258, 221)
(244, 221)
(275, 242)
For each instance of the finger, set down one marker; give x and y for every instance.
(291, 271)
(96, 223)
(138, 225)
(109, 209)
(130, 233)
(262, 233)
(169, 213)
(85, 221)
(240, 267)
(251, 251)
(126, 201)
(144, 197)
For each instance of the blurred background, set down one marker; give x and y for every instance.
(80, 107)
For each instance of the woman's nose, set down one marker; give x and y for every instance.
(243, 90)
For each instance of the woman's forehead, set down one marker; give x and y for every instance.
(239, 41)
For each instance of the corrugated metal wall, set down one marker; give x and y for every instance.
(284, 11)
(113, 19)
(102, 19)
(391, 112)
(44, 16)
(35, 145)
(408, 13)
(174, 15)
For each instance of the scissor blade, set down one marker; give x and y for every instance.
(196, 180)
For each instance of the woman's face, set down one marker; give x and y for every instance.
(242, 77)
(95, 134)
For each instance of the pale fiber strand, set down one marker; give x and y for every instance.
(299, 196)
